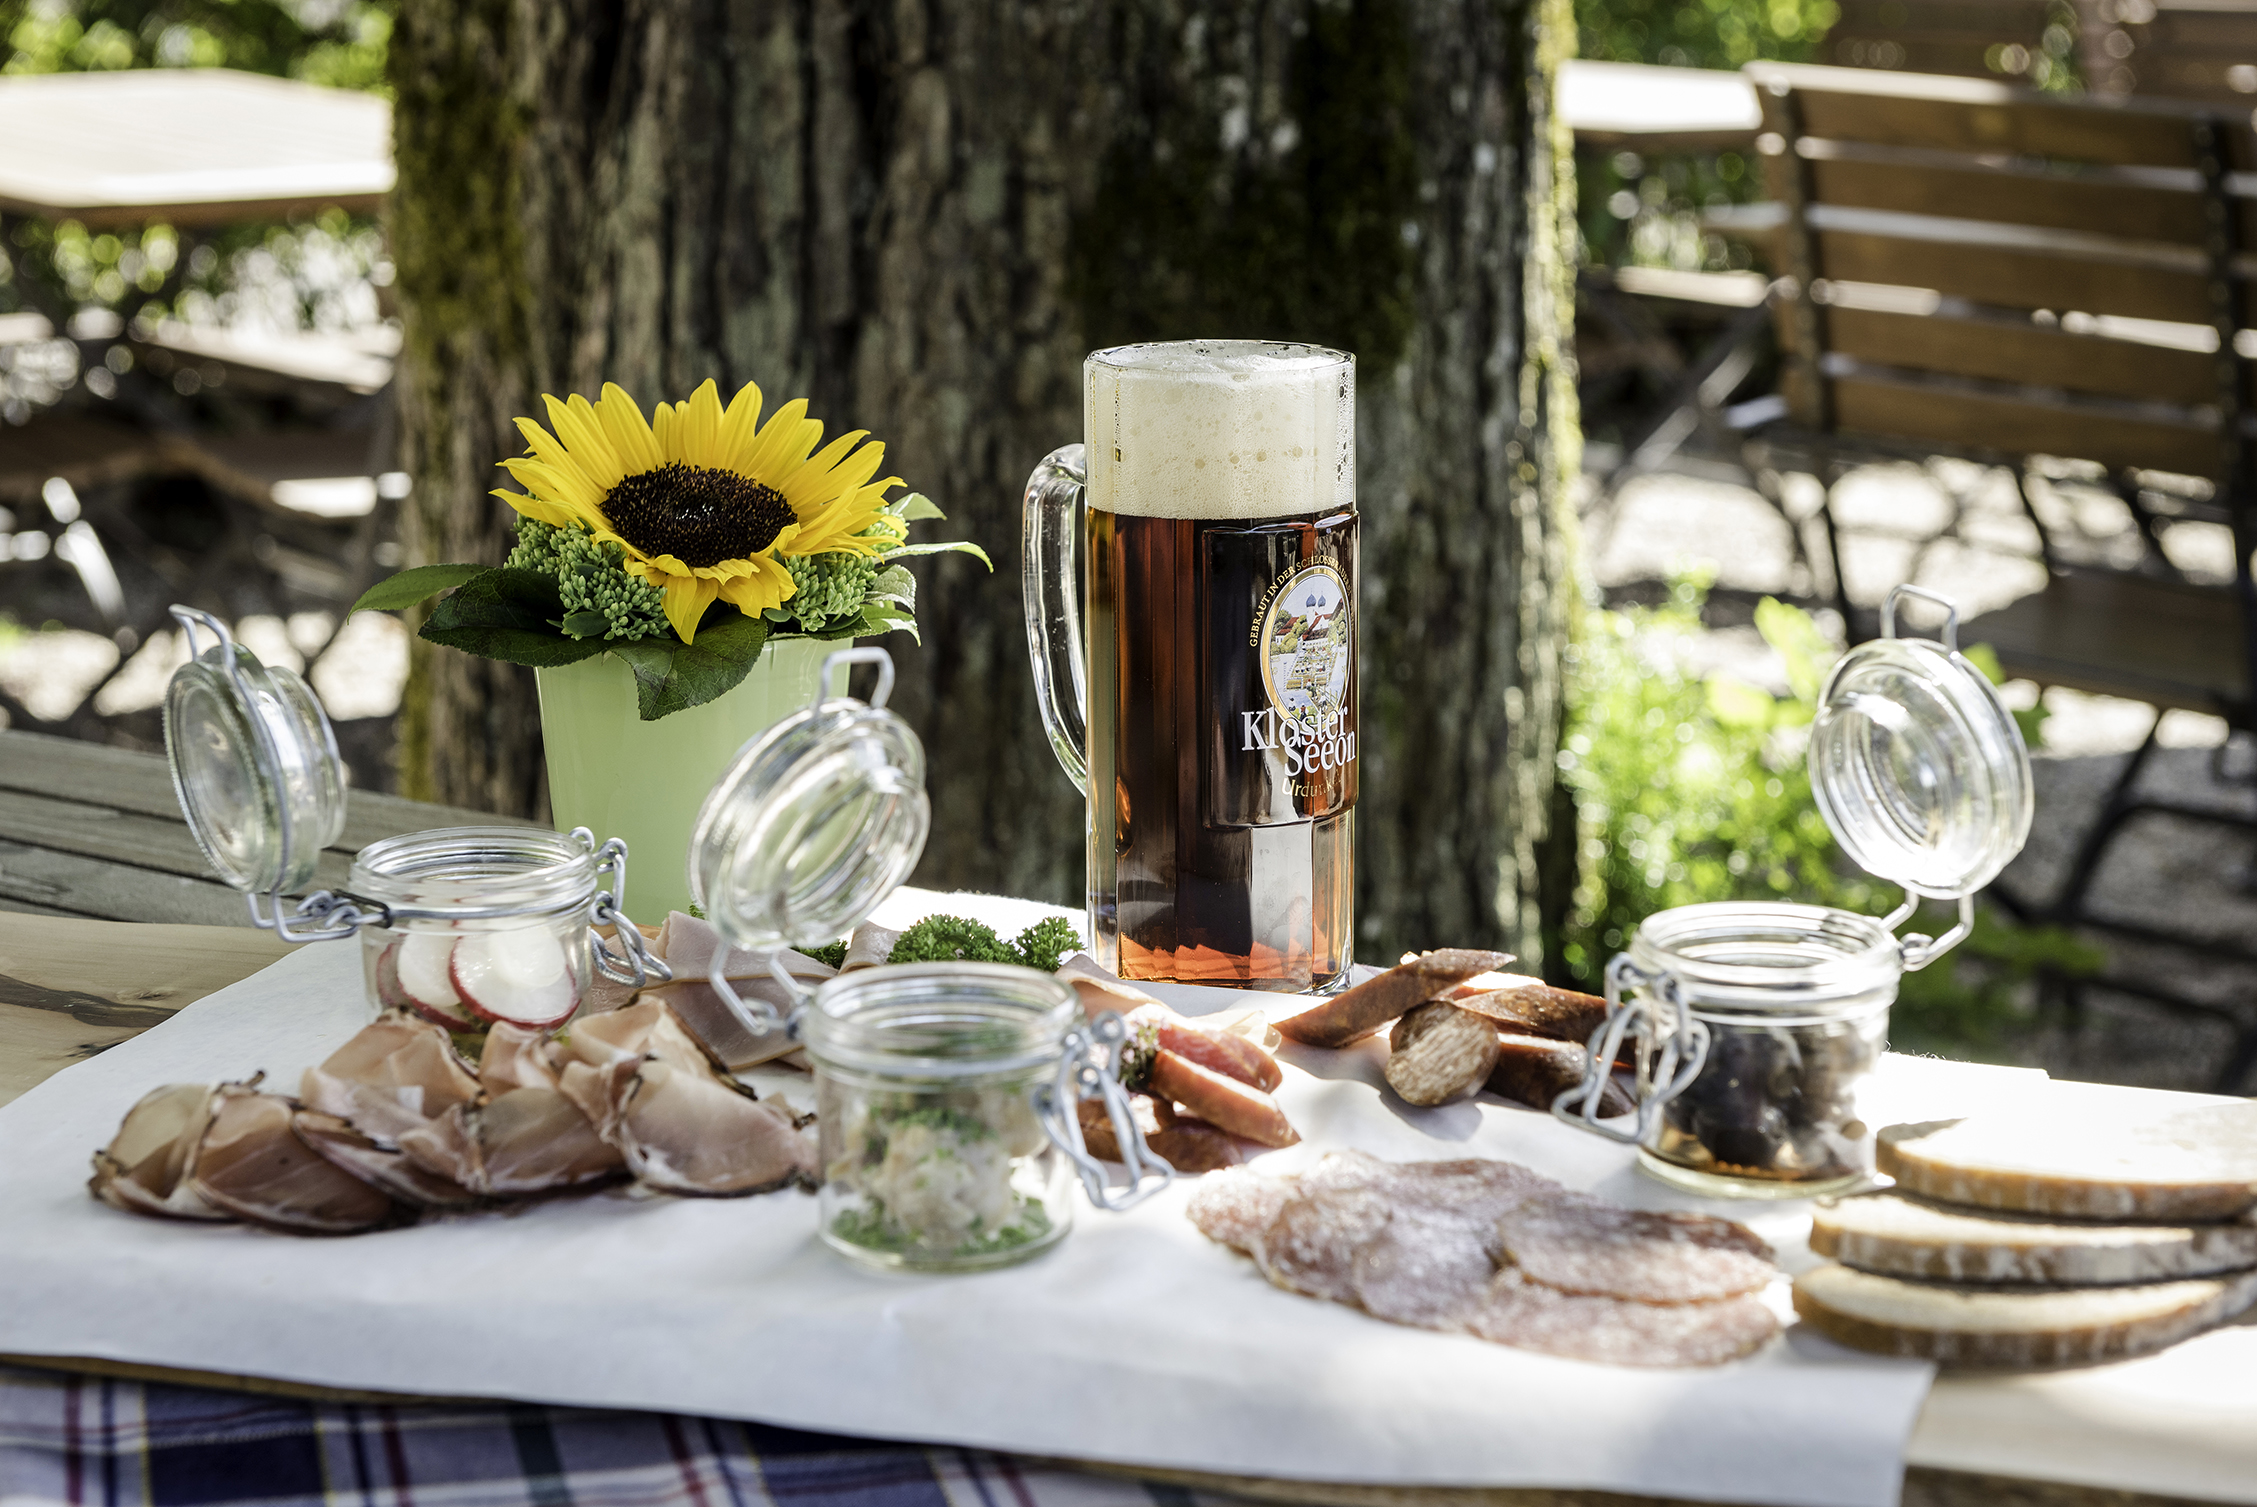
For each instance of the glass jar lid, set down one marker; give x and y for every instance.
(468, 874)
(941, 1020)
(254, 762)
(1917, 766)
(815, 822)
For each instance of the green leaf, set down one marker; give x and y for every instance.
(959, 546)
(915, 507)
(878, 619)
(671, 676)
(1735, 703)
(894, 584)
(585, 624)
(412, 586)
(507, 615)
(1985, 658)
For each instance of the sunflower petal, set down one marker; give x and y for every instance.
(687, 597)
(562, 486)
(771, 585)
(697, 427)
(534, 508)
(666, 431)
(782, 444)
(625, 427)
(738, 426)
(576, 425)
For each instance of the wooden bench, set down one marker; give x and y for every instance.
(1977, 270)
(2174, 49)
(1987, 39)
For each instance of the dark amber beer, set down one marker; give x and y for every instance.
(1220, 739)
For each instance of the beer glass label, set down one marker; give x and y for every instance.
(1282, 747)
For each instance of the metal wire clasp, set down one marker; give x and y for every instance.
(640, 965)
(1090, 1069)
(1683, 1053)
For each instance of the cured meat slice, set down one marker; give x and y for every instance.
(396, 1073)
(1375, 1002)
(1233, 1208)
(1426, 1244)
(252, 1164)
(1311, 1245)
(380, 1166)
(1617, 1332)
(1425, 1267)
(1575, 1243)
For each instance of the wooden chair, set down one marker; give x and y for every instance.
(1982, 271)
(2173, 49)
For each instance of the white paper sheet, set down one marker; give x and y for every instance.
(1136, 1341)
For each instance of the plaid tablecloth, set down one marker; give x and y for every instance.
(67, 1438)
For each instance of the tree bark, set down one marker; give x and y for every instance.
(920, 215)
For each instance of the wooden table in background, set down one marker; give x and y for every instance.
(189, 146)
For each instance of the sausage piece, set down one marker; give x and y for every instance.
(1373, 1003)
(1237, 1107)
(1439, 1052)
(1535, 1071)
(1218, 1051)
(1532, 1007)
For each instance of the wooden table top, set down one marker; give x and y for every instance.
(189, 146)
(88, 832)
(1641, 107)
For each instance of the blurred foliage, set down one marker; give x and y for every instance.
(1693, 788)
(1703, 33)
(335, 42)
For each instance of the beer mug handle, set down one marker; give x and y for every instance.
(1050, 579)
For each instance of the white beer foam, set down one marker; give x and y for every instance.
(1220, 429)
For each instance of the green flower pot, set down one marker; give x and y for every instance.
(619, 776)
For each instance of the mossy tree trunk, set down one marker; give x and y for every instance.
(920, 214)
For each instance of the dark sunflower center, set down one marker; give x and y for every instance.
(698, 515)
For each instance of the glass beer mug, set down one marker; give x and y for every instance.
(1210, 717)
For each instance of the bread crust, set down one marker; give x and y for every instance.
(2083, 1168)
(1995, 1328)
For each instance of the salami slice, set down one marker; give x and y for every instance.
(1576, 1243)
(1494, 1249)
(1234, 1208)
(1617, 1332)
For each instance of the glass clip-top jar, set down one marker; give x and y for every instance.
(1751, 1026)
(947, 1093)
(463, 925)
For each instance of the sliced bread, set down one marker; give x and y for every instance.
(1902, 1236)
(1991, 1326)
(2087, 1152)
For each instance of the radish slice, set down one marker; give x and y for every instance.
(420, 968)
(522, 977)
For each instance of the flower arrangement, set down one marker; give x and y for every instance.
(681, 545)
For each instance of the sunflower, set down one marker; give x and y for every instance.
(705, 502)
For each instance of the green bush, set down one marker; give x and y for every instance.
(1692, 788)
